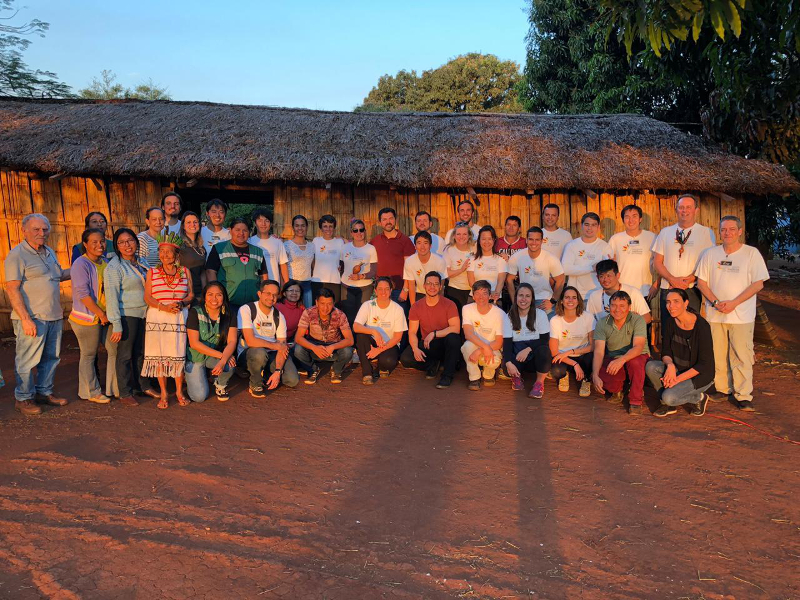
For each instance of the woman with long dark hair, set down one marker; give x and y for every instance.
(487, 264)
(526, 341)
(301, 257)
(193, 252)
(94, 220)
(212, 333)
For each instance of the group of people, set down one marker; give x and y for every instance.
(196, 303)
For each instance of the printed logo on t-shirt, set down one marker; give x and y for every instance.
(322, 249)
(419, 272)
(727, 266)
(245, 258)
(347, 255)
(581, 253)
(544, 241)
(527, 270)
(265, 328)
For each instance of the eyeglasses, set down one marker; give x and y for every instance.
(362, 230)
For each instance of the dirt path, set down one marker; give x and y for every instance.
(401, 491)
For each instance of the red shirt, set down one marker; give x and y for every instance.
(432, 318)
(502, 247)
(292, 314)
(392, 254)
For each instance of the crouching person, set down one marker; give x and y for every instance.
(686, 368)
(620, 349)
(263, 346)
(433, 333)
(483, 328)
(212, 342)
(526, 342)
(323, 335)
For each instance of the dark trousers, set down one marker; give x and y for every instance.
(538, 360)
(340, 358)
(446, 350)
(460, 297)
(559, 370)
(336, 288)
(130, 355)
(634, 370)
(352, 299)
(387, 360)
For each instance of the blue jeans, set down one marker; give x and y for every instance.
(261, 363)
(339, 358)
(197, 379)
(550, 314)
(308, 295)
(679, 394)
(41, 352)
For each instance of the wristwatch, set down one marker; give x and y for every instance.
(713, 304)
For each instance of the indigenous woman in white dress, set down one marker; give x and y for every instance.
(168, 291)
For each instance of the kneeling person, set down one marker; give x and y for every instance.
(379, 328)
(620, 347)
(263, 344)
(212, 343)
(323, 334)
(483, 328)
(686, 368)
(433, 333)
(526, 341)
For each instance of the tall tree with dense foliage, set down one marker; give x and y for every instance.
(106, 87)
(469, 83)
(16, 78)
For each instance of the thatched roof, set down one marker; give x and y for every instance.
(193, 139)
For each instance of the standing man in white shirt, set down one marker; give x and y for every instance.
(172, 205)
(599, 301)
(730, 276)
(632, 251)
(271, 245)
(214, 232)
(583, 253)
(555, 239)
(483, 330)
(536, 267)
(423, 222)
(465, 211)
(677, 250)
(418, 265)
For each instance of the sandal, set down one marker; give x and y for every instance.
(163, 402)
(182, 401)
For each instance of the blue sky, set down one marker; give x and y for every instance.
(314, 54)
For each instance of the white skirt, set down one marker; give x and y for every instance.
(164, 343)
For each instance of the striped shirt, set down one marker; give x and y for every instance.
(148, 250)
(165, 290)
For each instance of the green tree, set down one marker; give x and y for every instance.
(16, 78)
(106, 87)
(469, 83)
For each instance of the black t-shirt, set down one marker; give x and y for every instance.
(225, 322)
(691, 349)
(213, 262)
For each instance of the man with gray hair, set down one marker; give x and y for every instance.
(730, 276)
(33, 276)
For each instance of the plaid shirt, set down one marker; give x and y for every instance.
(322, 332)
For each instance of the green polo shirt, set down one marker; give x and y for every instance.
(619, 341)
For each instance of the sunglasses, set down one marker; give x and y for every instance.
(362, 230)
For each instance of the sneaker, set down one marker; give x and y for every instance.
(537, 391)
(700, 408)
(335, 378)
(635, 409)
(586, 388)
(489, 382)
(129, 401)
(100, 399)
(746, 405)
(313, 375)
(718, 397)
(616, 397)
(474, 386)
(384, 373)
(563, 384)
(368, 379)
(517, 384)
(257, 392)
(222, 393)
(664, 410)
(302, 372)
(28, 408)
(432, 372)
(444, 382)
(502, 375)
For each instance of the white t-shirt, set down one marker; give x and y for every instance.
(172, 228)
(437, 243)
(728, 275)
(454, 259)
(387, 321)
(352, 257)
(326, 259)
(579, 261)
(700, 238)
(572, 335)
(490, 268)
(475, 229)
(555, 241)
(598, 300)
(633, 255)
(263, 326)
(414, 270)
(524, 334)
(210, 238)
(487, 327)
(536, 271)
(274, 253)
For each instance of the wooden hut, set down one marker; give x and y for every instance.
(64, 158)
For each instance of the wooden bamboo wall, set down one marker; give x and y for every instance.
(66, 203)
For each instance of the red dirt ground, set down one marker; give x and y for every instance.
(402, 491)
